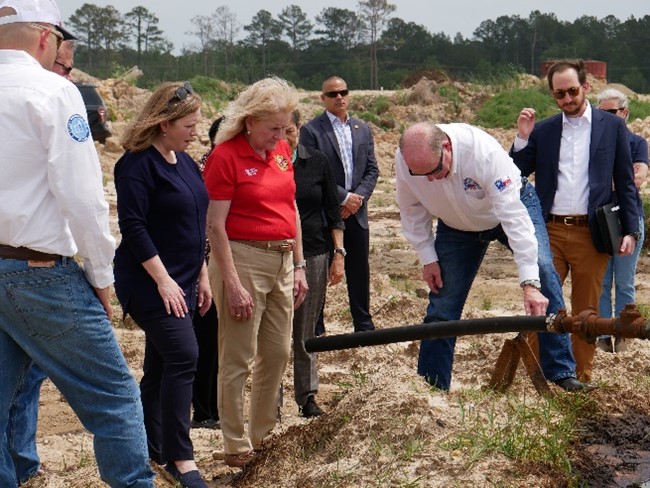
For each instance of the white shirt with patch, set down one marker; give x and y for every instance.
(481, 191)
(51, 190)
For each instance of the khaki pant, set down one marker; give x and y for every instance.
(574, 252)
(266, 337)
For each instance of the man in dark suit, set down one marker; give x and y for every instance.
(576, 157)
(347, 142)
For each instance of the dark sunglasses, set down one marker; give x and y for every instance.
(613, 110)
(333, 94)
(434, 171)
(182, 92)
(66, 69)
(574, 91)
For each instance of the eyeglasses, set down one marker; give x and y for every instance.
(52, 30)
(434, 171)
(182, 92)
(66, 69)
(574, 91)
(333, 94)
(613, 110)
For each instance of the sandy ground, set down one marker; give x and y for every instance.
(383, 425)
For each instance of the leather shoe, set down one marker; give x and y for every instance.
(310, 408)
(239, 460)
(206, 424)
(573, 384)
(191, 479)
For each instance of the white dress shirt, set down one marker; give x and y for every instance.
(481, 191)
(51, 190)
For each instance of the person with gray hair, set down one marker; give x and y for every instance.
(621, 269)
(53, 311)
(257, 270)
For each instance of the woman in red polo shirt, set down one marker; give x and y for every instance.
(257, 272)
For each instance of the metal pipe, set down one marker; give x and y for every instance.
(432, 330)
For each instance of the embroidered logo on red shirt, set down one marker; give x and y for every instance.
(250, 171)
(281, 161)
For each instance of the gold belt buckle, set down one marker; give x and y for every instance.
(32, 263)
(568, 220)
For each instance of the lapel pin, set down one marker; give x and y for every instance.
(356, 126)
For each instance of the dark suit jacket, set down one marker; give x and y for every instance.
(319, 134)
(609, 160)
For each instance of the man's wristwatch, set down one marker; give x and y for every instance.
(534, 283)
(300, 264)
(341, 251)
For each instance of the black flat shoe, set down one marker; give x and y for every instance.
(206, 424)
(574, 385)
(191, 479)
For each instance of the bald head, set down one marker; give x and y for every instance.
(421, 145)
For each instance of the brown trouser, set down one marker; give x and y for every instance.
(574, 252)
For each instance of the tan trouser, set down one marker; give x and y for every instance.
(266, 337)
(574, 252)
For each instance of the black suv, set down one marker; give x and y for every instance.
(96, 110)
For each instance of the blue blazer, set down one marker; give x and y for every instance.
(319, 134)
(609, 161)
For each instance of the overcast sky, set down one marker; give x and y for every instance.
(450, 16)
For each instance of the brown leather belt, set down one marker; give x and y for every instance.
(26, 254)
(285, 245)
(579, 220)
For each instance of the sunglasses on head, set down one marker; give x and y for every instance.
(333, 94)
(574, 91)
(182, 92)
(66, 69)
(612, 110)
(434, 171)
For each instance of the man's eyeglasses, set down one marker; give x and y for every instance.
(613, 110)
(574, 91)
(434, 171)
(52, 30)
(333, 94)
(66, 69)
(182, 92)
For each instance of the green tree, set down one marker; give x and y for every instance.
(339, 26)
(375, 14)
(226, 29)
(261, 31)
(85, 24)
(296, 26)
(142, 26)
(204, 31)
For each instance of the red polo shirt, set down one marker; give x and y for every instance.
(262, 193)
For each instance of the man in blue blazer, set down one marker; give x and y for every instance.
(577, 156)
(348, 144)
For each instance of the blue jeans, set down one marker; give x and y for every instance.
(620, 269)
(23, 420)
(460, 254)
(52, 316)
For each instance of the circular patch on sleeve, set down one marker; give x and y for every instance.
(78, 128)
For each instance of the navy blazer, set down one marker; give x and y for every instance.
(609, 160)
(319, 134)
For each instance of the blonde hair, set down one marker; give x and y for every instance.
(162, 106)
(261, 99)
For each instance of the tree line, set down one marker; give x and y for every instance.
(370, 47)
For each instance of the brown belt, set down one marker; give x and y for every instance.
(579, 220)
(26, 254)
(285, 245)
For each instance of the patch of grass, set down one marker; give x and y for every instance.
(502, 109)
(486, 303)
(539, 431)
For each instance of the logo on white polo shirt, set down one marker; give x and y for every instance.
(78, 128)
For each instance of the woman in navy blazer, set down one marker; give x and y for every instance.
(160, 272)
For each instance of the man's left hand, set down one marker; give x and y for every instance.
(351, 205)
(534, 302)
(627, 246)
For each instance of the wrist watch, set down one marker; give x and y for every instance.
(302, 264)
(534, 283)
(341, 251)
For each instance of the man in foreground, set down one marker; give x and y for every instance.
(462, 176)
(52, 206)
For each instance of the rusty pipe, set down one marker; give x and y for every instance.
(630, 324)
